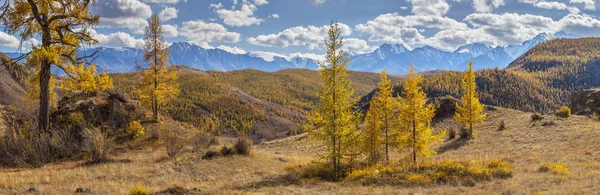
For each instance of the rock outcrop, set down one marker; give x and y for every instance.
(586, 102)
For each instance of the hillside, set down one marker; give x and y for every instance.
(541, 80)
(10, 89)
(230, 103)
(524, 143)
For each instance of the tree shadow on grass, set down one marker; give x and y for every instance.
(272, 181)
(103, 161)
(453, 145)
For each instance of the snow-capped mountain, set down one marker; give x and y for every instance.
(395, 58)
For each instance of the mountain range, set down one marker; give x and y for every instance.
(395, 58)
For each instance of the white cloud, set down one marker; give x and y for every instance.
(130, 14)
(233, 50)
(169, 30)
(358, 46)
(317, 2)
(242, 17)
(163, 1)
(216, 5)
(486, 5)
(556, 6)
(274, 15)
(261, 2)
(168, 13)
(587, 4)
(429, 7)
(297, 36)
(201, 33)
(7, 40)
(267, 56)
(316, 57)
(118, 39)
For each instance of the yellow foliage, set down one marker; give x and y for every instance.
(415, 119)
(554, 168)
(33, 89)
(136, 129)
(471, 110)
(138, 190)
(84, 79)
(380, 120)
(564, 112)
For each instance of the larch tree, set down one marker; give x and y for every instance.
(387, 105)
(471, 110)
(63, 27)
(159, 80)
(372, 132)
(332, 119)
(85, 80)
(415, 118)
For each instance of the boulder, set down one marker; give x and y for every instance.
(586, 102)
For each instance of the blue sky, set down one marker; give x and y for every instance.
(297, 27)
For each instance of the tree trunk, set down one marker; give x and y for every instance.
(44, 115)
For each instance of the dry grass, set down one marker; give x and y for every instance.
(524, 143)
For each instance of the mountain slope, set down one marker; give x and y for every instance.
(11, 90)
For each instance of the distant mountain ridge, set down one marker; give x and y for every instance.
(395, 58)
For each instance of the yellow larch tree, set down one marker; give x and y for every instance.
(63, 27)
(387, 105)
(159, 81)
(415, 118)
(470, 111)
(333, 120)
(372, 133)
(85, 80)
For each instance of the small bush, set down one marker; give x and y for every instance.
(210, 155)
(243, 146)
(227, 151)
(502, 126)
(138, 190)
(536, 116)
(203, 140)
(554, 168)
(135, 129)
(451, 134)
(174, 145)
(564, 112)
(464, 133)
(95, 146)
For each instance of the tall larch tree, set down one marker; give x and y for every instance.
(159, 80)
(415, 118)
(333, 120)
(387, 105)
(372, 132)
(470, 111)
(63, 27)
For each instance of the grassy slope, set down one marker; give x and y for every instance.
(526, 144)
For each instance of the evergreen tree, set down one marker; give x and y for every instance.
(333, 120)
(415, 118)
(62, 26)
(159, 81)
(471, 110)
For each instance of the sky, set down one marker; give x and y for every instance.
(298, 27)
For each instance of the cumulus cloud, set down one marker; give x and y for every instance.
(116, 40)
(169, 30)
(164, 1)
(130, 14)
(429, 7)
(233, 50)
(297, 36)
(587, 4)
(486, 5)
(552, 5)
(168, 13)
(317, 2)
(358, 46)
(201, 33)
(7, 40)
(242, 17)
(274, 15)
(261, 2)
(216, 5)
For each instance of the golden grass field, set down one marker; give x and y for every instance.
(527, 145)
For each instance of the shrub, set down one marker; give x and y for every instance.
(95, 146)
(502, 126)
(536, 116)
(138, 190)
(464, 133)
(451, 134)
(243, 146)
(227, 151)
(564, 112)
(554, 168)
(174, 145)
(135, 129)
(210, 155)
(203, 140)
